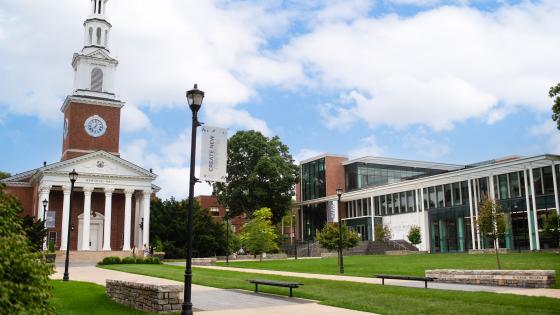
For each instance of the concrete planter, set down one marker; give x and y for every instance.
(508, 278)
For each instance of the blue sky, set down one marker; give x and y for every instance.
(451, 81)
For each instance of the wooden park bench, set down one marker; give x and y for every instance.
(425, 279)
(275, 283)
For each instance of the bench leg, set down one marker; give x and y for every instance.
(425, 284)
(256, 288)
(382, 281)
(290, 292)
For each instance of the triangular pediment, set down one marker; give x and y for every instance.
(100, 163)
(100, 54)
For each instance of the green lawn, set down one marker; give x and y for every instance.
(367, 266)
(365, 297)
(75, 298)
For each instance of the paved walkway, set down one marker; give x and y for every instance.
(213, 301)
(552, 293)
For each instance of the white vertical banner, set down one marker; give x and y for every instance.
(332, 211)
(213, 165)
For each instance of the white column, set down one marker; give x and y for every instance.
(137, 221)
(107, 223)
(476, 196)
(531, 245)
(65, 217)
(555, 188)
(44, 192)
(87, 214)
(372, 211)
(425, 224)
(127, 217)
(534, 201)
(493, 198)
(473, 239)
(147, 194)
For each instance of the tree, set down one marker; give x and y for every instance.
(328, 237)
(258, 235)
(554, 93)
(261, 173)
(168, 224)
(414, 235)
(35, 231)
(4, 175)
(551, 227)
(491, 223)
(382, 233)
(233, 239)
(24, 274)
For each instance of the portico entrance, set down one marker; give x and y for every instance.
(97, 221)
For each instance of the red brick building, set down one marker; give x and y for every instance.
(219, 212)
(109, 208)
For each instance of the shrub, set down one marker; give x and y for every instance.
(51, 247)
(382, 233)
(128, 260)
(414, 235)
(111, 260)
(329, 235)
(140, 260)
(24, 274)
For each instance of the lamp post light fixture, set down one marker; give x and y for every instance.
(73, 177)
(227, 236)
(194, 98)
(340, 258)
(45, 203)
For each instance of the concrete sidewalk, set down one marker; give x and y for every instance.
(552, 293)
(213, 301)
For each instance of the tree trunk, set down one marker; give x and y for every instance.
(497, 255)
(260, 257)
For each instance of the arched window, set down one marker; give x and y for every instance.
(94, 6)
(106, 37)
(90, 35)
(98, 36)
(99, 7)
(97, 80)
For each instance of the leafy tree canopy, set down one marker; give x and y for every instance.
(414, 235)
(24, 275)
(261, 173)
(551, 227)
(491, 222)
(168, 224)
(554, 93)
(35, 231)
(258, 235)
(382, 233)
(4, 175)
(328, 237)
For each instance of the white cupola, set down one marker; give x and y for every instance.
(94, 67)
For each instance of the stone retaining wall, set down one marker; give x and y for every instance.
(204, 261)
(146, 297)
(488, 251)
(509, 278)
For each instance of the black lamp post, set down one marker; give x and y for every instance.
(227, 236)
(45, 203)
(194, 97)
(73, 177)
(294, 235)
(340, 258)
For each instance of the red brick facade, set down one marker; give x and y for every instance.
(77, 138)
(211, 202)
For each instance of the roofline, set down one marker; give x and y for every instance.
(396, 161)
(320, 156)
(455, 176)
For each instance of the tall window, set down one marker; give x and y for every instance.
(97, 80)
(90, 35)
(106, 37)
(99, 7)
(98, 34)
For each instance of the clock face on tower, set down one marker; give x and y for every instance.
(95, 126)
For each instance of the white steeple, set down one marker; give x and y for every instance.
(94, 68)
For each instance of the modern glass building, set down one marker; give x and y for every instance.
(442, 199)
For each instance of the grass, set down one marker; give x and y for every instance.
(365, 297)
(414, 265)
(75, 298)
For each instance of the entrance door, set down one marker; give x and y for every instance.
(93, 234)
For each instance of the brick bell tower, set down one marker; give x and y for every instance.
(92, 113)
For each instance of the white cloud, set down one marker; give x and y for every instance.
(437, 68)
(305, 154)
(547, 129)
(367, 147)
(175, 183)
(133, 119)
(424, 146)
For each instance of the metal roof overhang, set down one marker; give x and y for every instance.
(452, 177)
